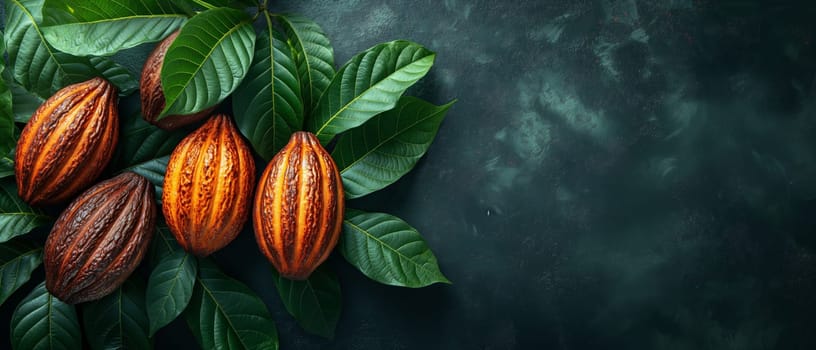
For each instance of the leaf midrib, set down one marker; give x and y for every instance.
(43, 42)
(12, 196)
(317, 300)
(221, 310)
(399, 133)
(118, 19)
(50, 321)
(199, 66)
(175, 281)
(19, 257)
(305, 59)
(272, 71)
(360, 229)
(119, 316)
(364, 92)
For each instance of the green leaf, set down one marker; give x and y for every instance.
(388, 250)
(145, 149)
(370, 83)
(25, 103)
(388, 146)
(43, 322)
(118, 321)
(6, 167)
(210, 4)
(207, 61)
(170, 288)
(267, 105)
(153, 170)
(314, 303)
(313, 55)
(116, 74)
(16, 218)
(226, 314)
(103, 27)
(141, 142)
(6, 114)
(36, 65)
(7, 140)
(163, 244)
(18, 259)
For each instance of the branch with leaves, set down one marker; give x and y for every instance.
(280, 78)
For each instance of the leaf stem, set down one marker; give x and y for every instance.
(262, 8)
(204, 4)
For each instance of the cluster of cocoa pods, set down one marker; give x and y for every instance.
(101, 237)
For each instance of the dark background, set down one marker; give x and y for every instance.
(617, 174)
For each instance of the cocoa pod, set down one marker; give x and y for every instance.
(152, 94)
(100, 239)
(208, 187)
(67, 142)
(299, 207)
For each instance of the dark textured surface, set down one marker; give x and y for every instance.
(617, 174)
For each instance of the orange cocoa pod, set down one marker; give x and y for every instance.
(152, 94)
(67, 142)
(208, 187)
(100, 239)
(299, 207)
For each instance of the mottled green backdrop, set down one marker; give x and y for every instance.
(617, 174)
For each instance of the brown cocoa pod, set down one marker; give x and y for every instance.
(299, 207)
(152, 94)
(100, 239)
(67, 142)
(208, 187)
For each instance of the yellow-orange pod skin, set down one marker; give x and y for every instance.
(299, 207)
(208, 187)
(67, 142)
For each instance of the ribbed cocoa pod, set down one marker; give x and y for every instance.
(67, 142)
(152, 94)
(100, 239)
(208, 187)
(299, 207)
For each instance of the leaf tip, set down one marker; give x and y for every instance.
(445, 280)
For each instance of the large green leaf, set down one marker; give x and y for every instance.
(226, 314)
(313, 55)
(388, 146)
(153, 170)
(145, 149)
(6, 166)
(163, 245)
(116, 74)
(314, 303)
(118, 321)
(37, 66)
(170, 288)
(43, 322)
(6, 113)
(16, 218)
(103, 27)
(25, 102)
(207, 61)
(17, 260)
(388, 250)
(211, 4)
(140, 142)
(267, 105)
(370, 83)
